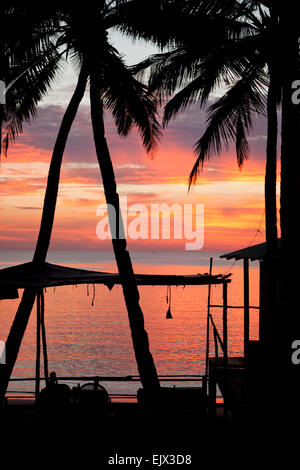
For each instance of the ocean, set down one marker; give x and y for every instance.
(93, 338)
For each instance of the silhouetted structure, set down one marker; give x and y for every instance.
(243, 380)
(41, 275)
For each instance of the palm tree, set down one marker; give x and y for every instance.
(20, 322)
(290, 71)
(273, 65)
(288, 321)
(84, 33)
(271, 36)
(28, 63)
(27, 71)
(242, 56)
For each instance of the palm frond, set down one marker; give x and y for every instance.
(148, 20)
(29, 60)
(230, 118)
(130, 102)
(30, 83)
(230, 8)
(172, 71)
(224, 64)
(241, 142)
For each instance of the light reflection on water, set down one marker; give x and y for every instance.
(95, 340)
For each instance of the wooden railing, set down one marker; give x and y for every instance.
(127, 378)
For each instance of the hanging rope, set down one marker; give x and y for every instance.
(168, 299)
(94, 294)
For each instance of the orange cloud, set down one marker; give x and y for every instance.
(233, 199)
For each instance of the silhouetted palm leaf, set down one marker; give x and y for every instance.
(192, 70)
(230, 118)
(29, 62)
(30, 85)
(224, 65)
(129, 102)
(48, 38)
(168, 23)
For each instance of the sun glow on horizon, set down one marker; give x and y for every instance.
(233, 199)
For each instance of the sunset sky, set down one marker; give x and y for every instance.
(233, 199)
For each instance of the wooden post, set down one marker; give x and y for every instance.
(44, 342)
(38, 345)
(225, 328)
(225, 348)
(208, 315)
(246, 307)
(212, 391)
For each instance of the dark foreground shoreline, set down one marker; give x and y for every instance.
(158, 440)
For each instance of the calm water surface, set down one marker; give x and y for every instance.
(86, 339)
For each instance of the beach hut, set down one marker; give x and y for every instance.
(240, 378)
(247, 255)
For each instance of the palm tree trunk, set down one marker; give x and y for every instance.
(271, 262)
(55, 167)
(289, 319)
(15, 337)
(271, 168)
(19, 325)
(269, 278)
(290, 147)
(145, 363)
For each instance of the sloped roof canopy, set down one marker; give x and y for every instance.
(49, 275)
(253, 253)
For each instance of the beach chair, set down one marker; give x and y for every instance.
(93, 399)
(54, 401)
